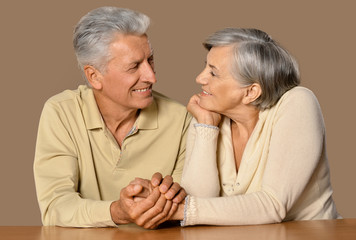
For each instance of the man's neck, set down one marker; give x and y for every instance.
(118, 120)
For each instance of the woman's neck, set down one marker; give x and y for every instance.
(244, 119)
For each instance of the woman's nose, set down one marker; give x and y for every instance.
(201, 78)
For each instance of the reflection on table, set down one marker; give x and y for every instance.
(324, 229)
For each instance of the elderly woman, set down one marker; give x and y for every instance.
(256, 149)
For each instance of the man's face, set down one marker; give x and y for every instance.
(129, 76)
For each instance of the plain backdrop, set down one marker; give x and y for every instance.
(37, 61)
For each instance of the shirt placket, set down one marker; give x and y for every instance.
(133, 131)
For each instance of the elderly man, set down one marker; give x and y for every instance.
(93, 141)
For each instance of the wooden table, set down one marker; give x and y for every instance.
(324, 229)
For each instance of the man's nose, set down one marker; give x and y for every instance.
(148, 74)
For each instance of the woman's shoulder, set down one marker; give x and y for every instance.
(299, 103)
(300, 96)
(299, 91)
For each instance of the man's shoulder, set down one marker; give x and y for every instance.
(67, 95)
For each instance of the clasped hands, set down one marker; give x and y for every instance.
(148, 203)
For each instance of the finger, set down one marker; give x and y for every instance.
(195, 99)
(180, 196)
(156, 179)
(173, 190)
(166, 184)
(135, 181)
(130, 190)
(143, 194)
(125, 206)
(141, 181)
(168, 212)
(152, 212)
(146, 184)
(173, 209)
(160, 213)
(138, 199)
(143, 206)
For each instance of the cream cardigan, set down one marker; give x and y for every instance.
(284, 173)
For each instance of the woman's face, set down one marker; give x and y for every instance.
(221, 92)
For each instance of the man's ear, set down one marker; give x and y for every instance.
(93, 76)
(252, 93)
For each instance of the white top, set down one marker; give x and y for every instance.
(284, 173)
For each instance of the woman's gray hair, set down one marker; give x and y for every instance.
(97, 29)
(258, 59)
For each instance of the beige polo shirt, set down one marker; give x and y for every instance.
(80, 169)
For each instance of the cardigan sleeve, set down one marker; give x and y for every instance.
(200, 174)
(295, 150)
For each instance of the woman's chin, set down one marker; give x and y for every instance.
(208, 107)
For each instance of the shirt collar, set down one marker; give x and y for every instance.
(148, 118)
(92, 115)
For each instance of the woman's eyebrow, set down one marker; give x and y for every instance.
(212, 66)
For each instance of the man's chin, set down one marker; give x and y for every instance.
(146, 103)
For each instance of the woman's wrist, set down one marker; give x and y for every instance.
(206, 126)
(207, 121)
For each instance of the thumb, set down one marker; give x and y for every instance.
(132, 190)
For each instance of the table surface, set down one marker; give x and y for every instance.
(320, 229)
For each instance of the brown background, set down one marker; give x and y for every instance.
(37, 61)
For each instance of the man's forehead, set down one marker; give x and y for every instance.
(131, 48)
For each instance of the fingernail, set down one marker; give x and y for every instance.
(169, 195)
(155, 182)
(163, 189)
(137, 188)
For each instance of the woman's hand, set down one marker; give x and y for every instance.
(202, 115)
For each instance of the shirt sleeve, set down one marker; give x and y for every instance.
(200, 175)
(56, 173)
(295, 150)
(178, 168)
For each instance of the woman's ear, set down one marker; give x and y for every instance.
(252, 93)
(93, 76)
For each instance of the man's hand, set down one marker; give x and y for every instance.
(148, 213)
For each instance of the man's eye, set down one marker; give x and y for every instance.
(150, 60)
(134, 67)
(212, 73)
